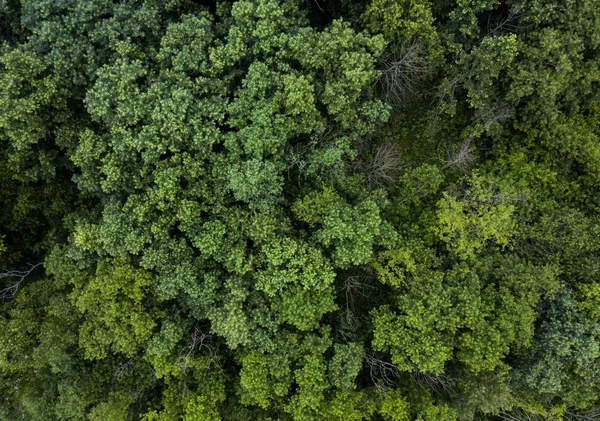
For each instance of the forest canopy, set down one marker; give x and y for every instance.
(299, 210)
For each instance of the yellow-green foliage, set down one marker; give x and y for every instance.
(480, 214)
(117, 314)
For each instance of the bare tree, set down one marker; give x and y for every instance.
(385, 167)
(352, 286)
(199, 340)
(382, 373)
(491, 116)
(439, 383)
(17, 277)
(463, 156)
(401, 71)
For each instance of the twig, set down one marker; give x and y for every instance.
(10, 291)
(381, 370)
(401, 71)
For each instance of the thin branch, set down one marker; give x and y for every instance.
(439, 383)
(401, 71)
(385, 167)
(382, 373)
(589, 415)
(318, 5)
(10, 291)
(351, 286)
(124, 369)
(198, 341)
(463, 158)
(502, 26)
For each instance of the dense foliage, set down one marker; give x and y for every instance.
(300, 210)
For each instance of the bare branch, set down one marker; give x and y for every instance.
(501, 112)
(385, 167)
(501, 25)
(439, 383)
(19, 276)
(124, 369)
(352, 286)
(592, 414)
(401, 71)
(198, 341)
(318, 5)
(462, 158)
(382, 373)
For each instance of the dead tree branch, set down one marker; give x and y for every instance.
(401, 71)
(501, 25)
(18, 276)
(439, 383)
(463, 158)
(385, 167)
(382, 373)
